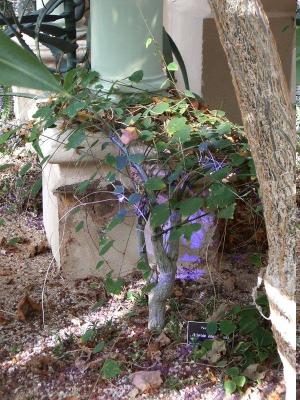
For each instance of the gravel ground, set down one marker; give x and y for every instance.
(42, 321)
(34, 367)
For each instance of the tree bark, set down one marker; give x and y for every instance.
(269, 122)
(166, 254)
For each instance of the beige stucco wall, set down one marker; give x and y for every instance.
(192, 27)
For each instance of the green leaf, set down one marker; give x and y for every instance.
(99, 347)
(221, 174)
(4, 138)
(189, 94)
(23, 171)
(176, 124)
(79, 226)
(87, 336)
(252, 167)
(227, 327)
(233, 371)
(100, 264)
(185, 231)
(110, 369)
(240, 380)
(75, 139)
(69, 79)
(73, 108)
(172, 67)
(2, 222)
(36, 188)
(43, 112)
(230, 387)
(221, 196)
(137, 158)
(159, 215)
(218, 113)
(137, 76)
(147, 135)
(148, 42)
(262, 337)
(224, 128)
(183, 135)
(99, 304)
(3, 167)
(248, 325)
(113, 286)
(237, 159)
(117, 220)
(83, 186)
(121, 162)
(256, 260)
(14, 241)
(144, 268)
(212, 328)
(160, 108)
(155, 184)
(104, 248)
(134, 198)
(227, 213)
(21, 68)
(190, 206)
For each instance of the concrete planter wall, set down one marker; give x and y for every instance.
(119, 31)
(77, 253)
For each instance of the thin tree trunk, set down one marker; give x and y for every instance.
(166, 254)
(269, 122)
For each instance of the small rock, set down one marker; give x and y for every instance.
(133, 393)
(147, 380)
(163, 340)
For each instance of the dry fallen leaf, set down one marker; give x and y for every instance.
(252, 372)
(3, 320)
(211, 376)
(42, 364)
(274, 396)
(129, 135)
(153, 351)
(178, 292)
(35, 249)
(218, 349)
(26, 307)
(146, 381)
(163, 340)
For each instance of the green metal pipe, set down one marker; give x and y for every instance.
(119, 32)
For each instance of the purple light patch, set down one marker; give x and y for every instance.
(188, 274)
(198, 237)
(191, 258)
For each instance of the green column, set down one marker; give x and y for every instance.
(119, 31)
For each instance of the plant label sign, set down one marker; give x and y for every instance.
(197, 332)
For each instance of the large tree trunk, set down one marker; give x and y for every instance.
(270, 128)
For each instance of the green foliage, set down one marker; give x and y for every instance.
(110, 369)
(21, 68)
(248, 343)
(137, 76)
(113, 286)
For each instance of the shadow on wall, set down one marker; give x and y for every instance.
(217, 87)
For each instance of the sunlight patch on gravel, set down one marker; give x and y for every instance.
(78, 326)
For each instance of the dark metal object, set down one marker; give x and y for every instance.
(39, 25)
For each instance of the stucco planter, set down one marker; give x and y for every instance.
(119, 31)
(77, 252)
